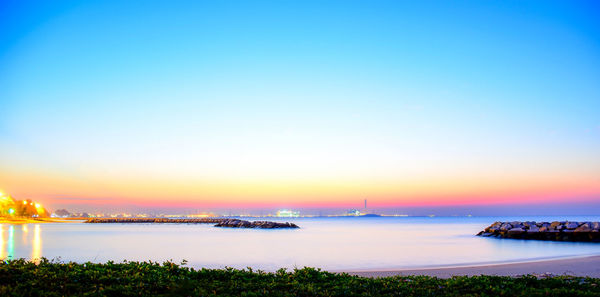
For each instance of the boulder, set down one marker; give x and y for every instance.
(583, 228)
(496, 224)
(571, 225)
(516, 231)
(493, 227)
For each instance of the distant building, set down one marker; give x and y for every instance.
(61, 213)
(353, 212)
(286, 213)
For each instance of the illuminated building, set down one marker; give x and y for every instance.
(353, 212)
(287, 213)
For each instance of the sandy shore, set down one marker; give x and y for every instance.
(579, 266)
(19, 221)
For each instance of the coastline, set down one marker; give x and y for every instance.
(585, 266)
(33, 221)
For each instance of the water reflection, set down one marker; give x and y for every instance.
(25, 231)
(36, 251)
(1, 242)
(10, 245)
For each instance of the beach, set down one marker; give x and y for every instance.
(588, 266)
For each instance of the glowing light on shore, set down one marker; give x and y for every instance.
(287, 213)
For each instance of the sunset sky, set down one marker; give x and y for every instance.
(301, 104)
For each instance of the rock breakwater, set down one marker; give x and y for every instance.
(557, 231)
(235, 223)
(155, 220)
(220, 222)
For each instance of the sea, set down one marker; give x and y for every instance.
(329, 243)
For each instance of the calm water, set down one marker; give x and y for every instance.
(329, 243)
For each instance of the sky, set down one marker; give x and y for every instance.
(258, 105)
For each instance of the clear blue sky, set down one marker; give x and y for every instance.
(226, 94)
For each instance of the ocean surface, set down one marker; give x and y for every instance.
(345, 243)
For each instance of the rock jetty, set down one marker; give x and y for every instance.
(235, 223)
(557, 231)
(155, 220)
(220, 222)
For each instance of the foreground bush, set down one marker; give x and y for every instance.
(23, 278)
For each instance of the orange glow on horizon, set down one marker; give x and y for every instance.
(341, 192)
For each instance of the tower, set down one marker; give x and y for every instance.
(365, 203)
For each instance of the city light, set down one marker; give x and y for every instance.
(286, 213)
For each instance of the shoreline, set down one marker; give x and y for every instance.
(33, 221)
(585, 266)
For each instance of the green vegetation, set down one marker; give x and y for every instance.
(48, 278)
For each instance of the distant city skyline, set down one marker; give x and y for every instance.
(455, 107)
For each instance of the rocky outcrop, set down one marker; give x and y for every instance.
(558, 231)
(235, 223)
(220, 222)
